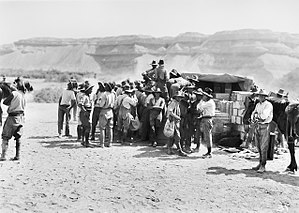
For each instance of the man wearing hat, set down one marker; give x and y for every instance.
(144, 118)
(85, 110)
(66, 102)
(124, 85)
(161, 78)
(149, 75)
(195, 125)
(207, 109)
(124, 115)
(262, 115)
(79, 96)
(176, 82)
(98, 96)
(106, 115)
(249, 103)
(156, 106)
(13, 126)
(281, 94)
(174, 114)
(187, 122)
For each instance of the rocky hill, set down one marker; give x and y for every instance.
(262, 54)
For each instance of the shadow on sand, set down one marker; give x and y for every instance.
(63, 144)
(275, 176)
(72, 143)
(160, 153)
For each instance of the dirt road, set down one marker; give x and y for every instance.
(58, 175)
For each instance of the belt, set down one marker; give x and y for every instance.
(263, 124)
(64, 105)
(15, 113)
(107, 108)
(207, 117)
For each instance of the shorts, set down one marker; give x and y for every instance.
(13, 126)
(106, 119)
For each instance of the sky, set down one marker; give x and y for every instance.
(100, 18)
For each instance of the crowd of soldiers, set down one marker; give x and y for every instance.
(138, 110)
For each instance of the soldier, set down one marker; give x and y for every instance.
(187, 127)
(85, 110)
(97, 109)
(184, 122)
(145, 125)
(161, 78)
(13, 125)
(66, 102)
(195, 114)
(80, 95)
(106, 115)
(263, 115)
(156, 106)
(207, 109)
(124, 116)
(174, 114)
(149, 75)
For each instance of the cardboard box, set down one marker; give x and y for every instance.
(233, 119)
(222, 96)
(235, 112)
(239, 120)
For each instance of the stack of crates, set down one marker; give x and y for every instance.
(225, 106)
(238, 98)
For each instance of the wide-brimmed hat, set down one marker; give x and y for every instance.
(199, 91)
(130, 90)
(190, 87)
(126, 86)
(281, 92)
(208, 92)
(253, 89)
(193, 78)
(161, 62)
(28, 86)
(262, 92)
(154, 63)
(179, 94)
(174, 73)
(101, 84)
(86, 84)
(108, 86)
(157, 90)
(81, 87)
(88, 89)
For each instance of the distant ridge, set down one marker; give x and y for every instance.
(262, 54)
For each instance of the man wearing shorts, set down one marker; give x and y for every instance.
(13, 126)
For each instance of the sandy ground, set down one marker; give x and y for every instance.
(58, 175)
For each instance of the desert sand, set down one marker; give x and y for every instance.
(59, 175)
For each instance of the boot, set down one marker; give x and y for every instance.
(208, 154)
(4, 149)
(18, 144)
(102, 137)
(79, 132)
(119, 136)
(256, 167)
(182, 153)
(196, 149)
(262, 169)
(86, 143)
(124, 138)
(67, 131)
(110, 137)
